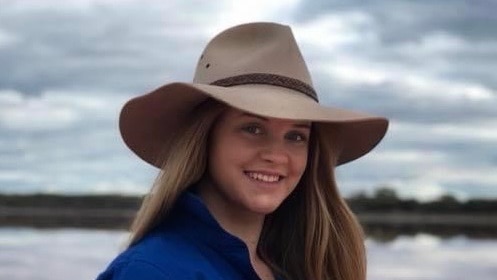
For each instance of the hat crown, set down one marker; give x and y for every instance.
(266, 48)
(257, 68)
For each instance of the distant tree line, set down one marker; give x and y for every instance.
(386, 199)
(56, 201)
(383, 199)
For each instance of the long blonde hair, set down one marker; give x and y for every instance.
(183, 164)
(312, 235)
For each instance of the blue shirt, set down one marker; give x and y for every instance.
(189, 245)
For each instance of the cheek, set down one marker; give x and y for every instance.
(216, 161)
(300, 162)
(230, 150)
(221, 158)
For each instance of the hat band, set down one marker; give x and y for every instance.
(268, 79)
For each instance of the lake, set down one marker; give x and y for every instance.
(79, 254)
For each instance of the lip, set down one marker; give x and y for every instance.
(264, 173)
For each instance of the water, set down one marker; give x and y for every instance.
(57, 254)
(430, 257)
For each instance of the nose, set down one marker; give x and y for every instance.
(274, 152)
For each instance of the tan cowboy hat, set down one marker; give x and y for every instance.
(255, 67)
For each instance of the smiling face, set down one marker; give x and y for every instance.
(254, 162)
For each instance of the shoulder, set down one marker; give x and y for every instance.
(162, 255)
(134, 269)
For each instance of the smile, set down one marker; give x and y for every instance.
(263, 177)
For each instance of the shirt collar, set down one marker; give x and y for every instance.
(192, 219)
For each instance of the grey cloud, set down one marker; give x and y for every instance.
(104, 48)
(70, 160)
(398, 24)
(474, 62)
(131, 48)
(392, 101)
(407, 20)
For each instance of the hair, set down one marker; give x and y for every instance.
(324, 242)
(183, 164)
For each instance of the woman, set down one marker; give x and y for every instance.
(247, 158)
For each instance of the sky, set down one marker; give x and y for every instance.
(67, 67)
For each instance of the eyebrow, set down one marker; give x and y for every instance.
(298, 125)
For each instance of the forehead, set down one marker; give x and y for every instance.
(233, 114)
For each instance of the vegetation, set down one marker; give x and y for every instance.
(386, 199)
(53, 211)
(382, 213)
(54, 201)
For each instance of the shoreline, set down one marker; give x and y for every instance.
(116, 212)
(120, 218)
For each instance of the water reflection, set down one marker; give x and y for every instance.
(383, 233)
(425, 256)
(56, 254)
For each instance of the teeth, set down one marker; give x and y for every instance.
(263, 177)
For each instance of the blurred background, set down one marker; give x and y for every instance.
(426, 195)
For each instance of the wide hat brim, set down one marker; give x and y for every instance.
(147, 122)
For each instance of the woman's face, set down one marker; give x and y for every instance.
(255, 162)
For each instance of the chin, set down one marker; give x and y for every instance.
(264, 208)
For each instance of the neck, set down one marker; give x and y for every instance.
(247, 228)
(238, 221)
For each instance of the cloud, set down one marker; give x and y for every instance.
(66, 142)
(429, 67)
(35, 114)
(418, 80)
(54, 110)
(336, 31)
(411, 84)
(231, 13)
(6, 39)
(484, 131)
(100, 47)
(437, 87)
(425, 161)
(105, 46)
(403, 20)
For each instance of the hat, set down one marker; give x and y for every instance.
(257, 68)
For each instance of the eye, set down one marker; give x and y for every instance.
(296, 136)
(253, 129)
